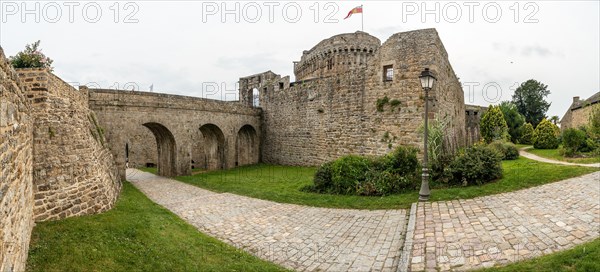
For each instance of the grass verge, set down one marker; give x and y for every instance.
(136, 235)
(283, 183)
(553, 154)
(585, 257)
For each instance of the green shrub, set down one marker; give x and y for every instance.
(498, 147)
(493, 126)
(403, 161)
(395, 172)
(440, 168)
(526, 134)
(545, 136)
(322, 179)
(591, 146)
(476, 165)
(511, 152)
(506, 150)
(348, 173)
(574, 140)
(387, 182)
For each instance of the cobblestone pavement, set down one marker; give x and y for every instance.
(297, 237)
(523, 152)
(503, 228)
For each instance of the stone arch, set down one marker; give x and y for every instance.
(246, 146)
(166, 146)
(214, 147)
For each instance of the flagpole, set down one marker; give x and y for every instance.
(362, 19)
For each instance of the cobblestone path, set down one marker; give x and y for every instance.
(508, 227)
(297, 237)
(523, 152)
(447, 235)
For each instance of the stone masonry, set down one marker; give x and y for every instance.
(473, 117)
(177, 133)
(16, 190)
(579, 112)
(73, 173)
(332, 109)
(64, 150)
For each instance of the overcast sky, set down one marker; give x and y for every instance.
(189, 47)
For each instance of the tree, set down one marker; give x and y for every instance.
(493, 126)
(514, 120)
(526, 134)
(554, 119)
(529, 99)
(31, 57)
(545, 135)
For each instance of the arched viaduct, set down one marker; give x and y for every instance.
(176, 133)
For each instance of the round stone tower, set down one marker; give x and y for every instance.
(338, 54)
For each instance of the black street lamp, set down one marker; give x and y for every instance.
(427, 81)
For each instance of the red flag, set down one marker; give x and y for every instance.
(358, 9)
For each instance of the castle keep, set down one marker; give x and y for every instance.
(64, 151)
(353, 95)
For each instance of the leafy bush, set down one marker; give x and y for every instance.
(506, 150)
(402, 161)
(511, 152)
(348, 173)
(545, 135)
(440, 169)
(591, 146)
(527, 133)
(323, 178)
(392, 173)
(387, 182)
(476, 165)
(493, 126)
(31, 57)
(573, 141)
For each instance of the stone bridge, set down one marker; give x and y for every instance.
(176, 133)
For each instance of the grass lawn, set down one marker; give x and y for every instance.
(554, 155)
(152, 170)
(584, 257)
(519, 146)
(283, 183)
(137, 235)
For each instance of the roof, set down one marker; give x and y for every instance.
(595, 98)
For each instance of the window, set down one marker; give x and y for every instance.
(388, 73)
(281, 85)
(255, 98)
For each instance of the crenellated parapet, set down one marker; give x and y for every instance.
(338, 54)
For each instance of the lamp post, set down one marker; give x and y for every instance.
(427, 81)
